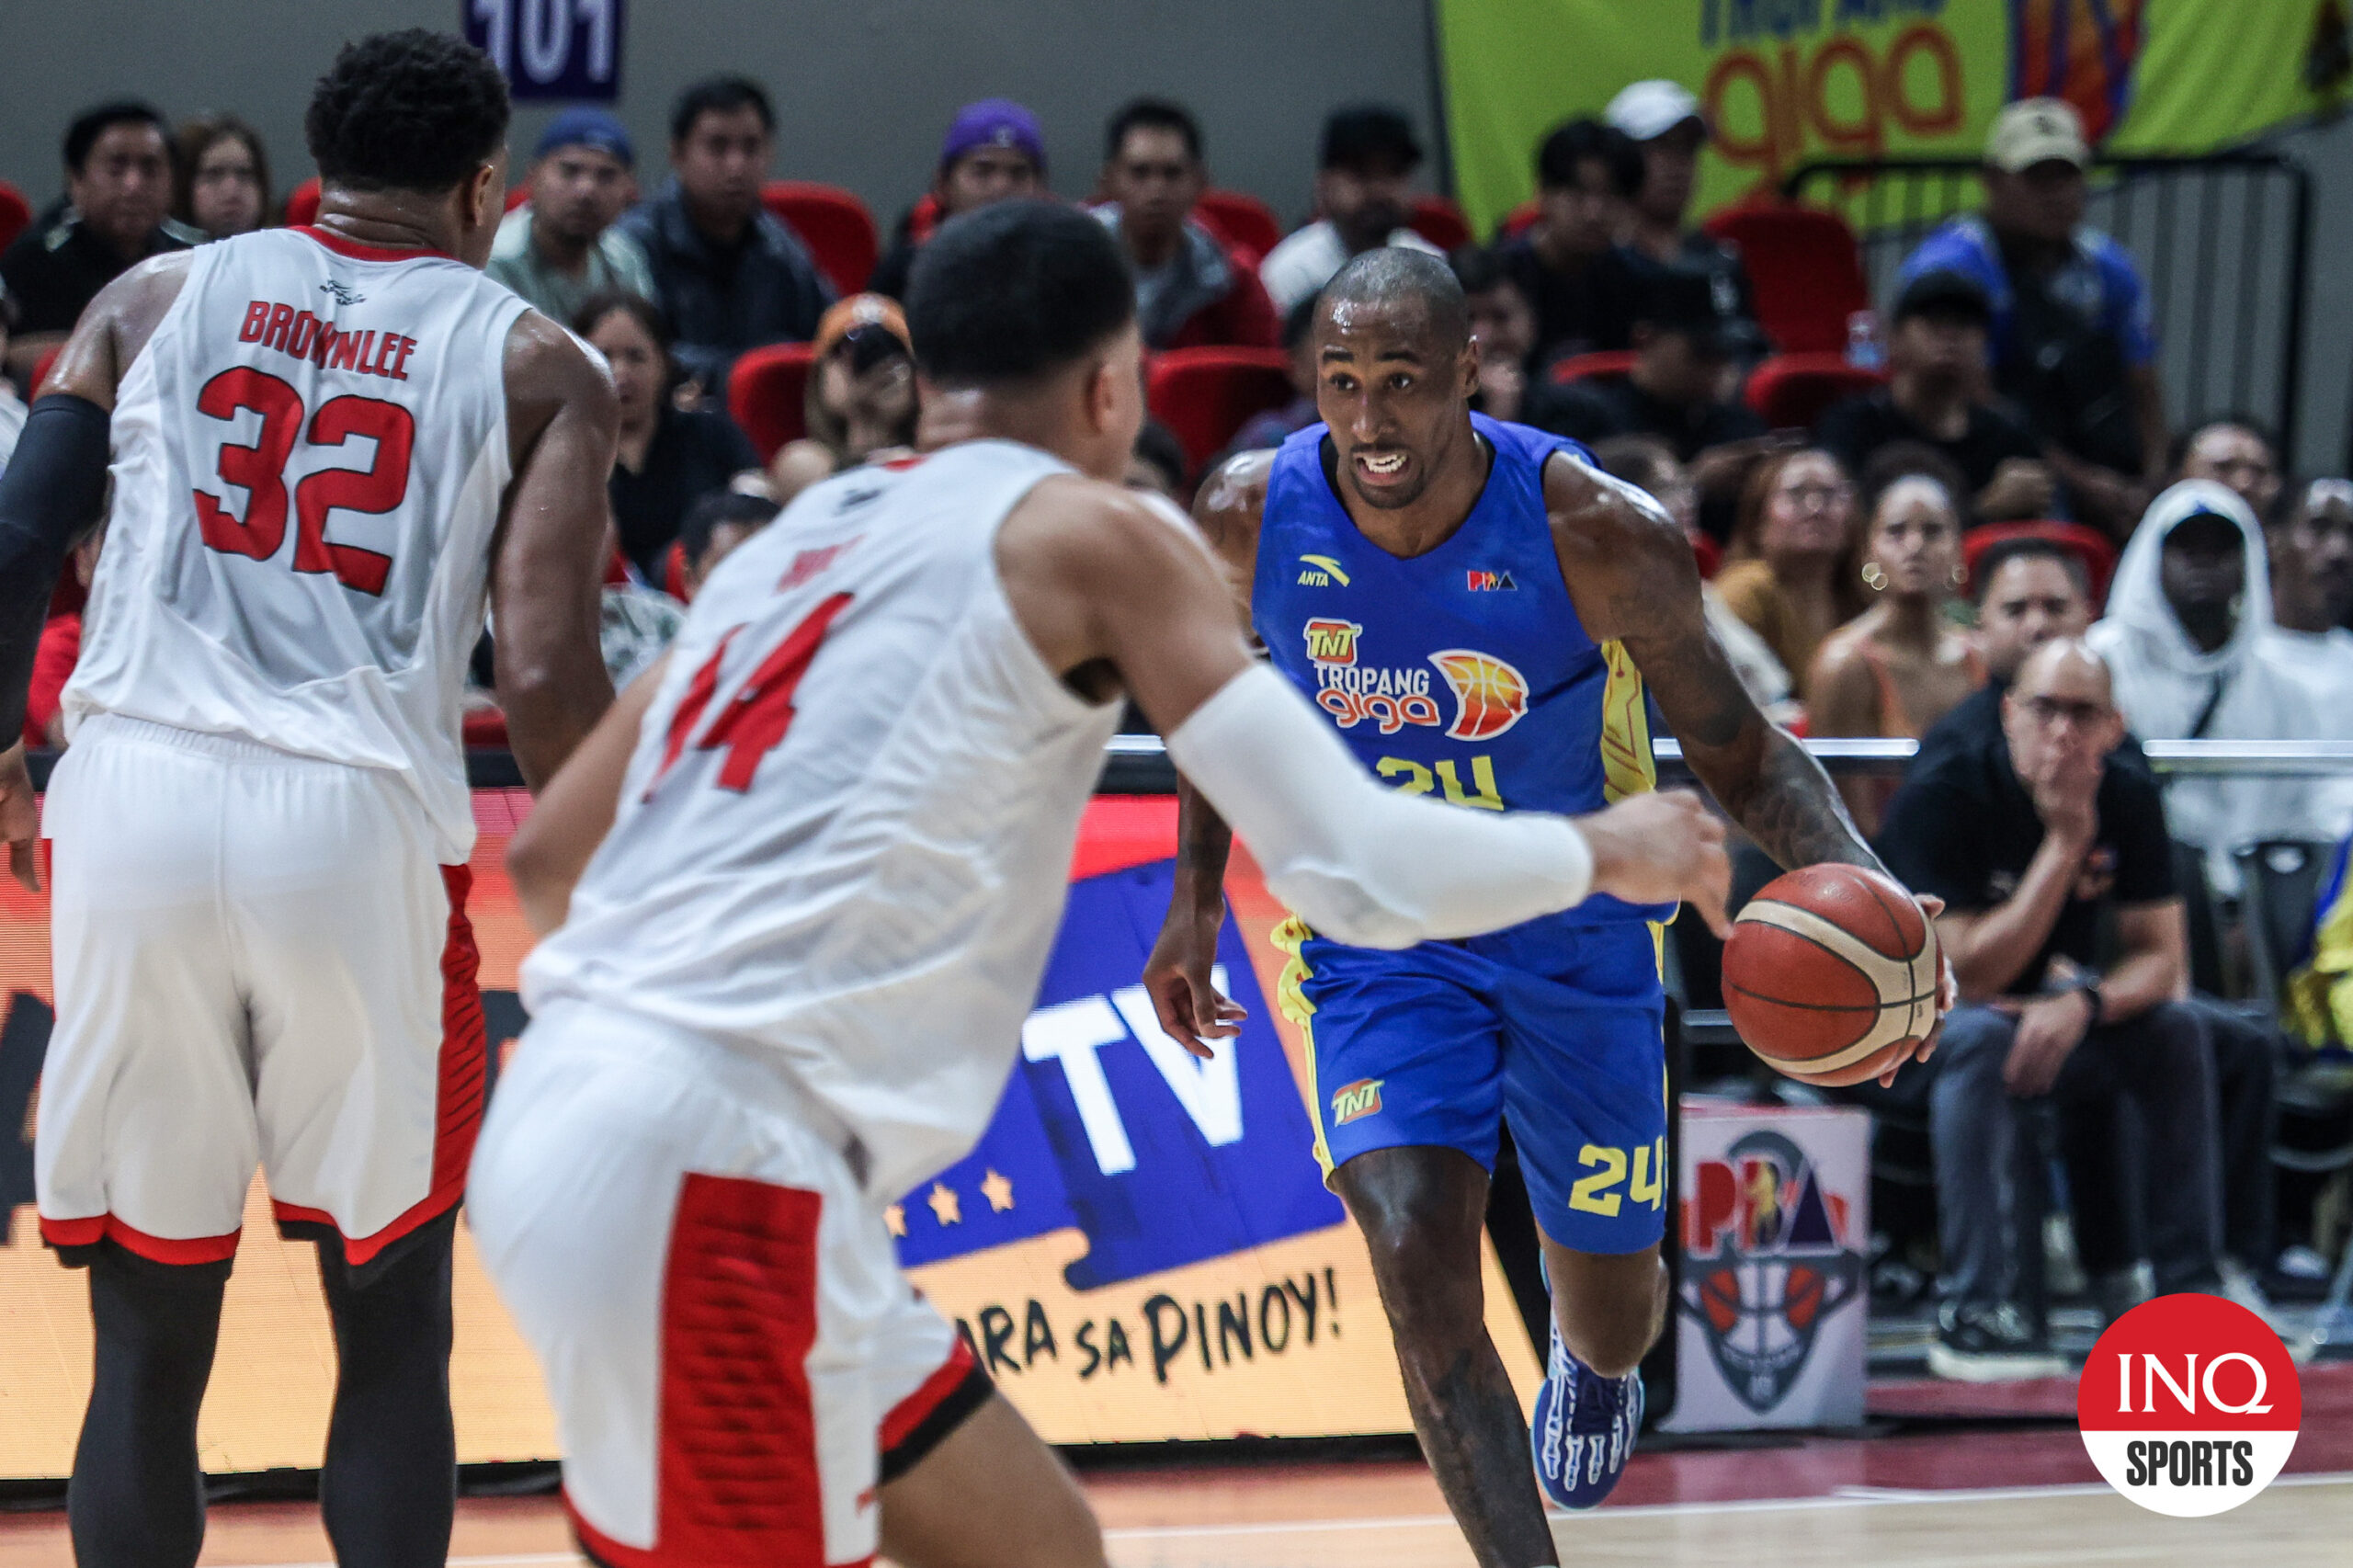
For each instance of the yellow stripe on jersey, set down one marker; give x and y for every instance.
(1627, 766)
(1290, 997)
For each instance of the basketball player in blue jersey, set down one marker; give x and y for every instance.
(1480, 610)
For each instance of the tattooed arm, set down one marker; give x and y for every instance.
(1632, 577)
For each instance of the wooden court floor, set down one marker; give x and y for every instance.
(1975, 1502)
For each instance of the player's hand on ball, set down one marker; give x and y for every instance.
(1658, 848)
(19, 815)
(1948, 994)
(1191, 1010)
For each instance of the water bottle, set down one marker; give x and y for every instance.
(1863, 351)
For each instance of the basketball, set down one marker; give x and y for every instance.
(1831, 970)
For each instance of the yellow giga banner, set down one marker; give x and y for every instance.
(1785, 81)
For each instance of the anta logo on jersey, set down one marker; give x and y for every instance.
(1491, 582)
(1490, 695)
(1322, 573)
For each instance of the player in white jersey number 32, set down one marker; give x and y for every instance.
(801, 883)
(324, 446)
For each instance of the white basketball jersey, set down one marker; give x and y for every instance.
(844, 838)
(309, 458)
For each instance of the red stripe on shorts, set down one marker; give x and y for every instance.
(89, 1231)
(736, 1476)
(458, 1099)
(910, 1411)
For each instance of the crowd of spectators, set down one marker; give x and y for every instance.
(2020, 392)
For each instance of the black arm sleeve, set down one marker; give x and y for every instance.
(53, 489)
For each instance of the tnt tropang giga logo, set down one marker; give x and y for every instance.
(2189, 1404)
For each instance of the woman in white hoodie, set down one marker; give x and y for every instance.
(2187, 636)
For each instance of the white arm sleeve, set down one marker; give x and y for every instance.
(1360, 862)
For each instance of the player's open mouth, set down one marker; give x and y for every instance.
(1379, 466)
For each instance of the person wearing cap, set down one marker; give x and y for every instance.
(1192, 288)
(728, 273)
(1682, 344)
(994, 151)
(859, 401)
(561, 247)
(1566, 262)
(1663, 122)
(1362, 196)
(1936, 395)
(2072, 341)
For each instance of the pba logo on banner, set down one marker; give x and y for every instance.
(2189, 1406)
(1771, 1301)
(1110, 1127)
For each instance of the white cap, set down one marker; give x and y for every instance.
(2036, 130)
(1647, 111)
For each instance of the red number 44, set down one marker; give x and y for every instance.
(260, 472)
(755, 719)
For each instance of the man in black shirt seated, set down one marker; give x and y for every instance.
(114, 213)
(2030, 591)
(1682, 347)
(1567, 262)
(2029, 839)
(1937, 394)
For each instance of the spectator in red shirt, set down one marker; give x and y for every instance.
(1192, 288)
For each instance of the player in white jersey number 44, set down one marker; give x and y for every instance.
(801, 883)
(323, 445)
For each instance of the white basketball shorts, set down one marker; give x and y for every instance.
(735, 1361)
(258, 960)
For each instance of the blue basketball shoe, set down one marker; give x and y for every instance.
(1585, 1427)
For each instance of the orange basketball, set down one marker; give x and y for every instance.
(1831, 970)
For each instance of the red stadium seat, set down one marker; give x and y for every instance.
(1518, 220)
(765, 392)
(1577, 367)
(1205, 394)
(1437, 220)
(1241, 219)
(15, 213)
(2092, 548)
(1806, 270)
(1789, 390)
(835, 225)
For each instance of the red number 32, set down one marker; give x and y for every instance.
(260, 472)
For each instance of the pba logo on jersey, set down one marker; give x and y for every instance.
(1768, 1260)
(1490, 583)
(1354, 1102)
(2189, 1404)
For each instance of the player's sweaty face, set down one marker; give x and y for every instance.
(1392, 393)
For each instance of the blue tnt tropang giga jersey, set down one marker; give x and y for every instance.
(1463, 673)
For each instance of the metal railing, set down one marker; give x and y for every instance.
(2224, 241)
(1139, 763)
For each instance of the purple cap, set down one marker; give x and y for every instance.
(993, 122)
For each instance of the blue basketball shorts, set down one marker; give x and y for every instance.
(1559, 1030)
